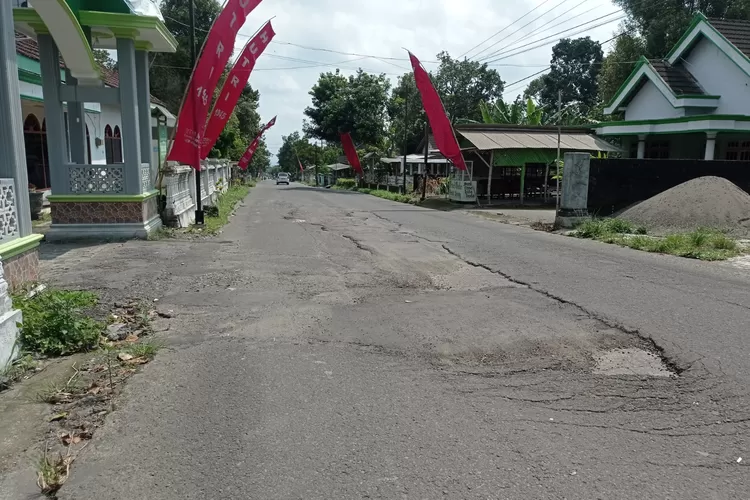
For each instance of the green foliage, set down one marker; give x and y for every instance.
(618, 65)
(703, 243)
(464, 84)
(574, 68)
(346, 183)
(518, 113)
(102, 58)
(55, 322)
(387, 195)
(596, 228)
(224, 207)
(296, 146)
(662, 25)
(170, 73)
(356, 104)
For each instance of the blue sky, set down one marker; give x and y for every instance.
(286, 72)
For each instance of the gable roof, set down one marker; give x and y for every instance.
(732, 37)
(674, 81)
(679, 80)
(737, 32)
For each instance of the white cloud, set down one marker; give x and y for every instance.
(383, 27)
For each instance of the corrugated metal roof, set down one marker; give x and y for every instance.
(487, 140)
(339, 166)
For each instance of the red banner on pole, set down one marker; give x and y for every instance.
(248, 156)
(445, 138)
(351, 152)
(233, 86)
(301, 168)
(217, 49)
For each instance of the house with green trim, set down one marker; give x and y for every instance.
(103, 121)
(103, 183)
(694, 103)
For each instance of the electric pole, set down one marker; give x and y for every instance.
(198, 201)
(406, 137)
(557, 161)
(426, 155)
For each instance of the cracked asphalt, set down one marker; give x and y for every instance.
(332, 345)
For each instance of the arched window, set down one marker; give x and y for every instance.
(108, 136)
(37, 161)
(117, 146)
(88, 145)
(32, 124)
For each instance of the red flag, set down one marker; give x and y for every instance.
(233, 86)
(445, 139)
(301, 168)
(351, 152)
(248, 156)
(215, 54)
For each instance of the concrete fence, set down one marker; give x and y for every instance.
(178, 189)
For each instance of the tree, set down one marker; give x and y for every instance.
(618, 65)
(404, 95)
(518, 113)
(294, 146)
(661, 24)
(534, 89)
(170, 73)
(102, 58)
(574, 68)
(356, 104)
(464, 84)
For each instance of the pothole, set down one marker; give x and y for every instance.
(470, 278)
(631, 361)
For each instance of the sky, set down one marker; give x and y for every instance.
(314, 36)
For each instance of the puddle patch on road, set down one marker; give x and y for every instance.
(631, 361)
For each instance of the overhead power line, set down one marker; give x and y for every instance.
(505, 28)
(522, 27)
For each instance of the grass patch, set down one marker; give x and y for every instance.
(387, 195)
(596, 228)
(17, 370)
(55, 322)
(44, 219)
(703, 243)
(218, 216)
(380, 193)
(146, 350)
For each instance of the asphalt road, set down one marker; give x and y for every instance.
(332, 345)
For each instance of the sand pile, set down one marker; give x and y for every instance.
(711, 202)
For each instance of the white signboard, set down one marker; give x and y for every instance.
(463, 191)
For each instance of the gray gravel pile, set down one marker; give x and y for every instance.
(711, 202)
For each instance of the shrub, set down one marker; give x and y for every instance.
(55, 324)
(596, 228)
(346, 183)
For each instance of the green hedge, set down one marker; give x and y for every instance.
(346, 183)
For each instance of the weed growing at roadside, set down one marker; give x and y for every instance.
(146, 350)
(703, 243)
(55, 322)
(218, 216)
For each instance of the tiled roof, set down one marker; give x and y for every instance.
(736, 31)
(28, 47)
(678, 78)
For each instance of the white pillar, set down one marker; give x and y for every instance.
(710, 145)
(12, 149)
(641, 147)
